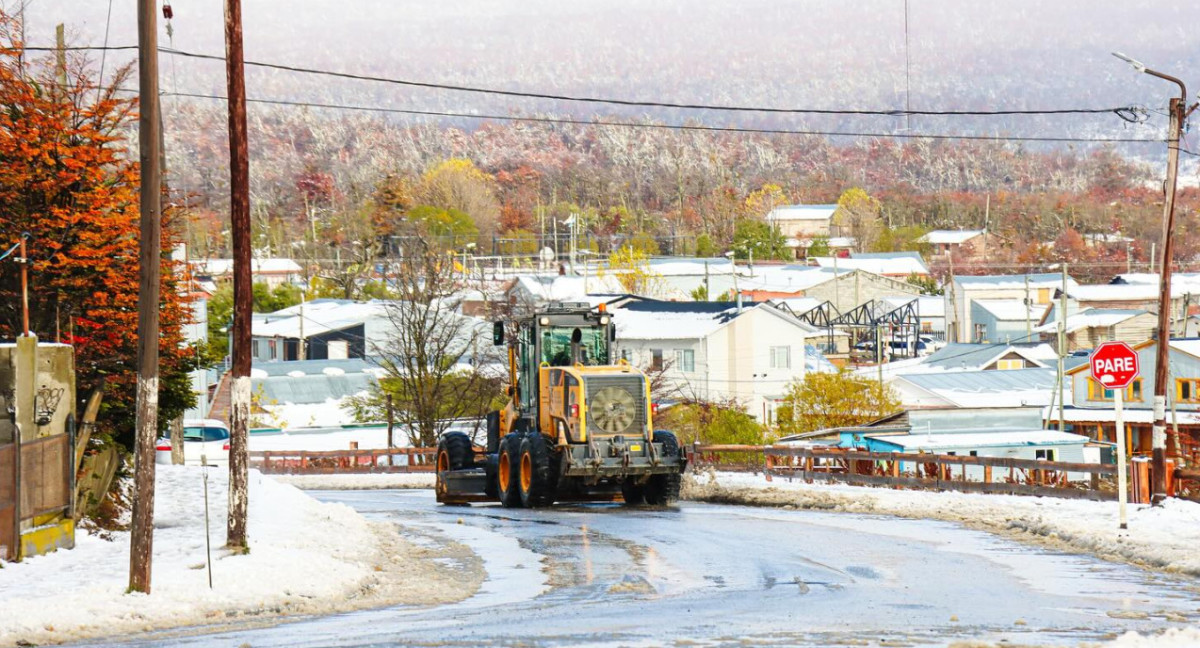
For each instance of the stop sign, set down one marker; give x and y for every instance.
(1114, 365)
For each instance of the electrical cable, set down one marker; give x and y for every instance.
(679, 127)
(1120, 111)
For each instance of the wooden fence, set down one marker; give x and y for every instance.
(326, 462)
(919, 471)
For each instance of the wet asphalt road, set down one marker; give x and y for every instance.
(707, 575)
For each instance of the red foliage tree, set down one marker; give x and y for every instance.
(67, 180)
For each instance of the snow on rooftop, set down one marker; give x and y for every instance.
(1190, 346)
(801, 212)
(1090, 318)
(1128, 292)
(926, 306)
(671, 325)
(949, 237)
(893, 266)
(321, 316)
(221, 267)
(1011, 309)
(1012, 282)
(944, 441)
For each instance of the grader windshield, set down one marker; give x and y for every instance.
(556, 345)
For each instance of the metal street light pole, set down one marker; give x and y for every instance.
(1179, 112)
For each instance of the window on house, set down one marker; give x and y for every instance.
(781, 357)
(974, 453)
(685, 360)
(1098, 392)
(1048, 455)
(255, 348)
(980, 333)
(656, 359)
(1006, 365)
(1187, 390)
(272, 349)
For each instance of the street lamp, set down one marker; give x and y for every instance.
(1179, 112)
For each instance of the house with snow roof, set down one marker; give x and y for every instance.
(272, 272)
(803, 221)
(956, 242)
(1030, 388)
(899, 265)
(333, 329)
(719, 351)
(1091, 327)
(978, 431)
(1091, 409)
(1031, 288)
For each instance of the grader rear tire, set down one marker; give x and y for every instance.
(633, 492)
(508, 472)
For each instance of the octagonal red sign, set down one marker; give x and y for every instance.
(1115, 365)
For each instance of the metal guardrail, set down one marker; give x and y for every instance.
(1001, 475)
(327, 462)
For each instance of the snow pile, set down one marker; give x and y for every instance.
(306, 557)
(1161, 538)
(358, 482)
(293, 415)
(1172, 638)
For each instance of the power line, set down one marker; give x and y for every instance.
(680, 127)
(1125, 112)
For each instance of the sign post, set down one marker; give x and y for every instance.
(1115, 367)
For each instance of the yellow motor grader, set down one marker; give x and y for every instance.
(577, 427)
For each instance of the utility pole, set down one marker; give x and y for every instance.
(239, 216)
(141, 543)
(1062, 338)
(1028, 323)
(1179, 112)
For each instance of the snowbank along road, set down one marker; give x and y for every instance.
(704, 574)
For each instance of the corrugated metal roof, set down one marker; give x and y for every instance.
(1009, 439)
(802, 212)
(980, 381)
(973, 356)
(1044, 280)
(885, 266)
(309, 388)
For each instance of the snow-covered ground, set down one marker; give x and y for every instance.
(306, 557)
(367, 438)
(1161, 538)
(371, 481)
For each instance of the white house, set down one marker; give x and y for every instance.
(720, 351)
(952, 241)
(802, 221)
(272, 272)
(1036, 288)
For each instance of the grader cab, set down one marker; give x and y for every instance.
(577, 427)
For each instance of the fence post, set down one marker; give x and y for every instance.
(768, 463)
(808, 466)
(987, 474)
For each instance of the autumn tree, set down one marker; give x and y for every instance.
(70, 182)
(631, 267)
(830, 400)
(858, 216)
(457, 184)
(713, 423)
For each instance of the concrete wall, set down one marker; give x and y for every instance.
(851, 290)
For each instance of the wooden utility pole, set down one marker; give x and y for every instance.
(239, 215)
(141, 544)
(1178, 109)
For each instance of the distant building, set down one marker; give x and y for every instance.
(272, 272)
(1091, 411)
(1004, 320)
(1091, 327)
(1018, 388)
(898, 265)
(956, 242)
(803, 221)
(1036, 288)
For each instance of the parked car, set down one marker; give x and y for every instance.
(206, 438)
